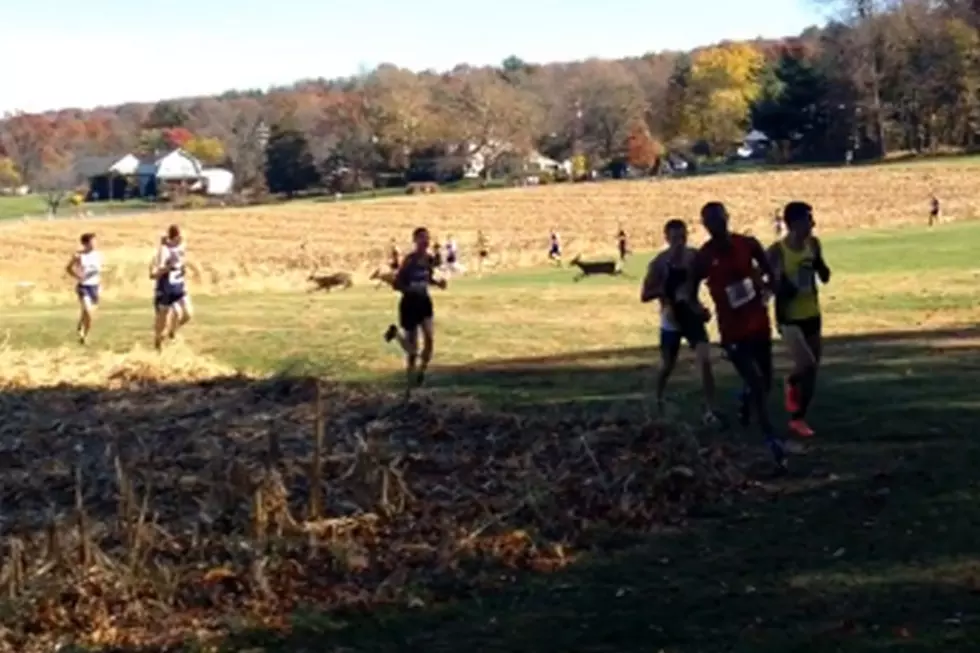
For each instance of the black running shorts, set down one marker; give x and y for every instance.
(414, 309)
(811, 327)
(752, 359)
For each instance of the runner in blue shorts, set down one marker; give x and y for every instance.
(85, 267)
(170, 298)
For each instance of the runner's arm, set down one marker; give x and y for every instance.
(399, 281)
(819, 264)
(438, 283)
(72, 267)
(653, 286)
(775, 256)
(762, 260)
(699, 270)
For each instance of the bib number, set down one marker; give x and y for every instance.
(176, 277)
(740, 293)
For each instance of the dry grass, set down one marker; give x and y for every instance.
(147, 512)
(274, 248)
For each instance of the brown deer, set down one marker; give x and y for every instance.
(383, 277)
(328, 282)
(588, 269)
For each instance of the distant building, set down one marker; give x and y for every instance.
(126, 176)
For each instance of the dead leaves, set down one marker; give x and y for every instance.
(186, 502)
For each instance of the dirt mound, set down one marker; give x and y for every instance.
(134, 505)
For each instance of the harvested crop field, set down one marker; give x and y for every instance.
(274, 247)
(171, 492)
(525, 501)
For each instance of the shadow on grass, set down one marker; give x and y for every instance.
(870, 545)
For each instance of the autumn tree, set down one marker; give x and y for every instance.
(9, 175)
(29, 141)
(245, 137)
(487, 116)
(289, 166)
(399, 103)
(642, 151)
(209, 151)
(608, 101)
(350, 152)
(166, 114)
(724, 82)
(57, 181)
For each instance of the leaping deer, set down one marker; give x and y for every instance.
(588, 269)
(328, 282)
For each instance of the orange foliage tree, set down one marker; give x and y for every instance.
(642, 151)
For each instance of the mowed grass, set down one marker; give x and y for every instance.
(273, 248)
(870, 545)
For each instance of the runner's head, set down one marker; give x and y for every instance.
(88, 241)
(675, 233)
(421, 239)
(798, 217)
(714, 217)
(174, 236)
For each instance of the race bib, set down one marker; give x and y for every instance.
(176, 276)
(740, 293)
(805, 277)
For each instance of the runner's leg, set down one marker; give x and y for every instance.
(162, 316)
(428, 343)
(86, 310)
(670, 347)
(815, 345)
(800, 382)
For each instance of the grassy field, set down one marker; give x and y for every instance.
(34, 206)
(273, 248)
(870, 544)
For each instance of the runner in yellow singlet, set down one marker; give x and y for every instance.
(797, 262)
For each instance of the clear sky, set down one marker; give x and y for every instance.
(60, 53)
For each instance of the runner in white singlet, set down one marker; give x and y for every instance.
(170, 298)
(85, 267)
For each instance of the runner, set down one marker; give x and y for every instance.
(85, 267)
(797, 260)
(681, 315)
(452, 255)
(415, 275)
(777, 223)
(733, 267)
(436, 255)
(934, 209)
(623, 243)
(171, 301)
(483, 249)
(554, 247)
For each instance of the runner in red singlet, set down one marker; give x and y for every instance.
(736, 270)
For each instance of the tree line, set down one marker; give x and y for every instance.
(886, 75)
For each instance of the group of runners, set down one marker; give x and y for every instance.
(554, 246)
(740, 274)
(742, 277)
(171, 301)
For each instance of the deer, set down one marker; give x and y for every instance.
(328, 282)
(383, 278)
(610, 268)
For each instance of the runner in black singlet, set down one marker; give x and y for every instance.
(683, 317)
(622, 241)
(415, 312)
